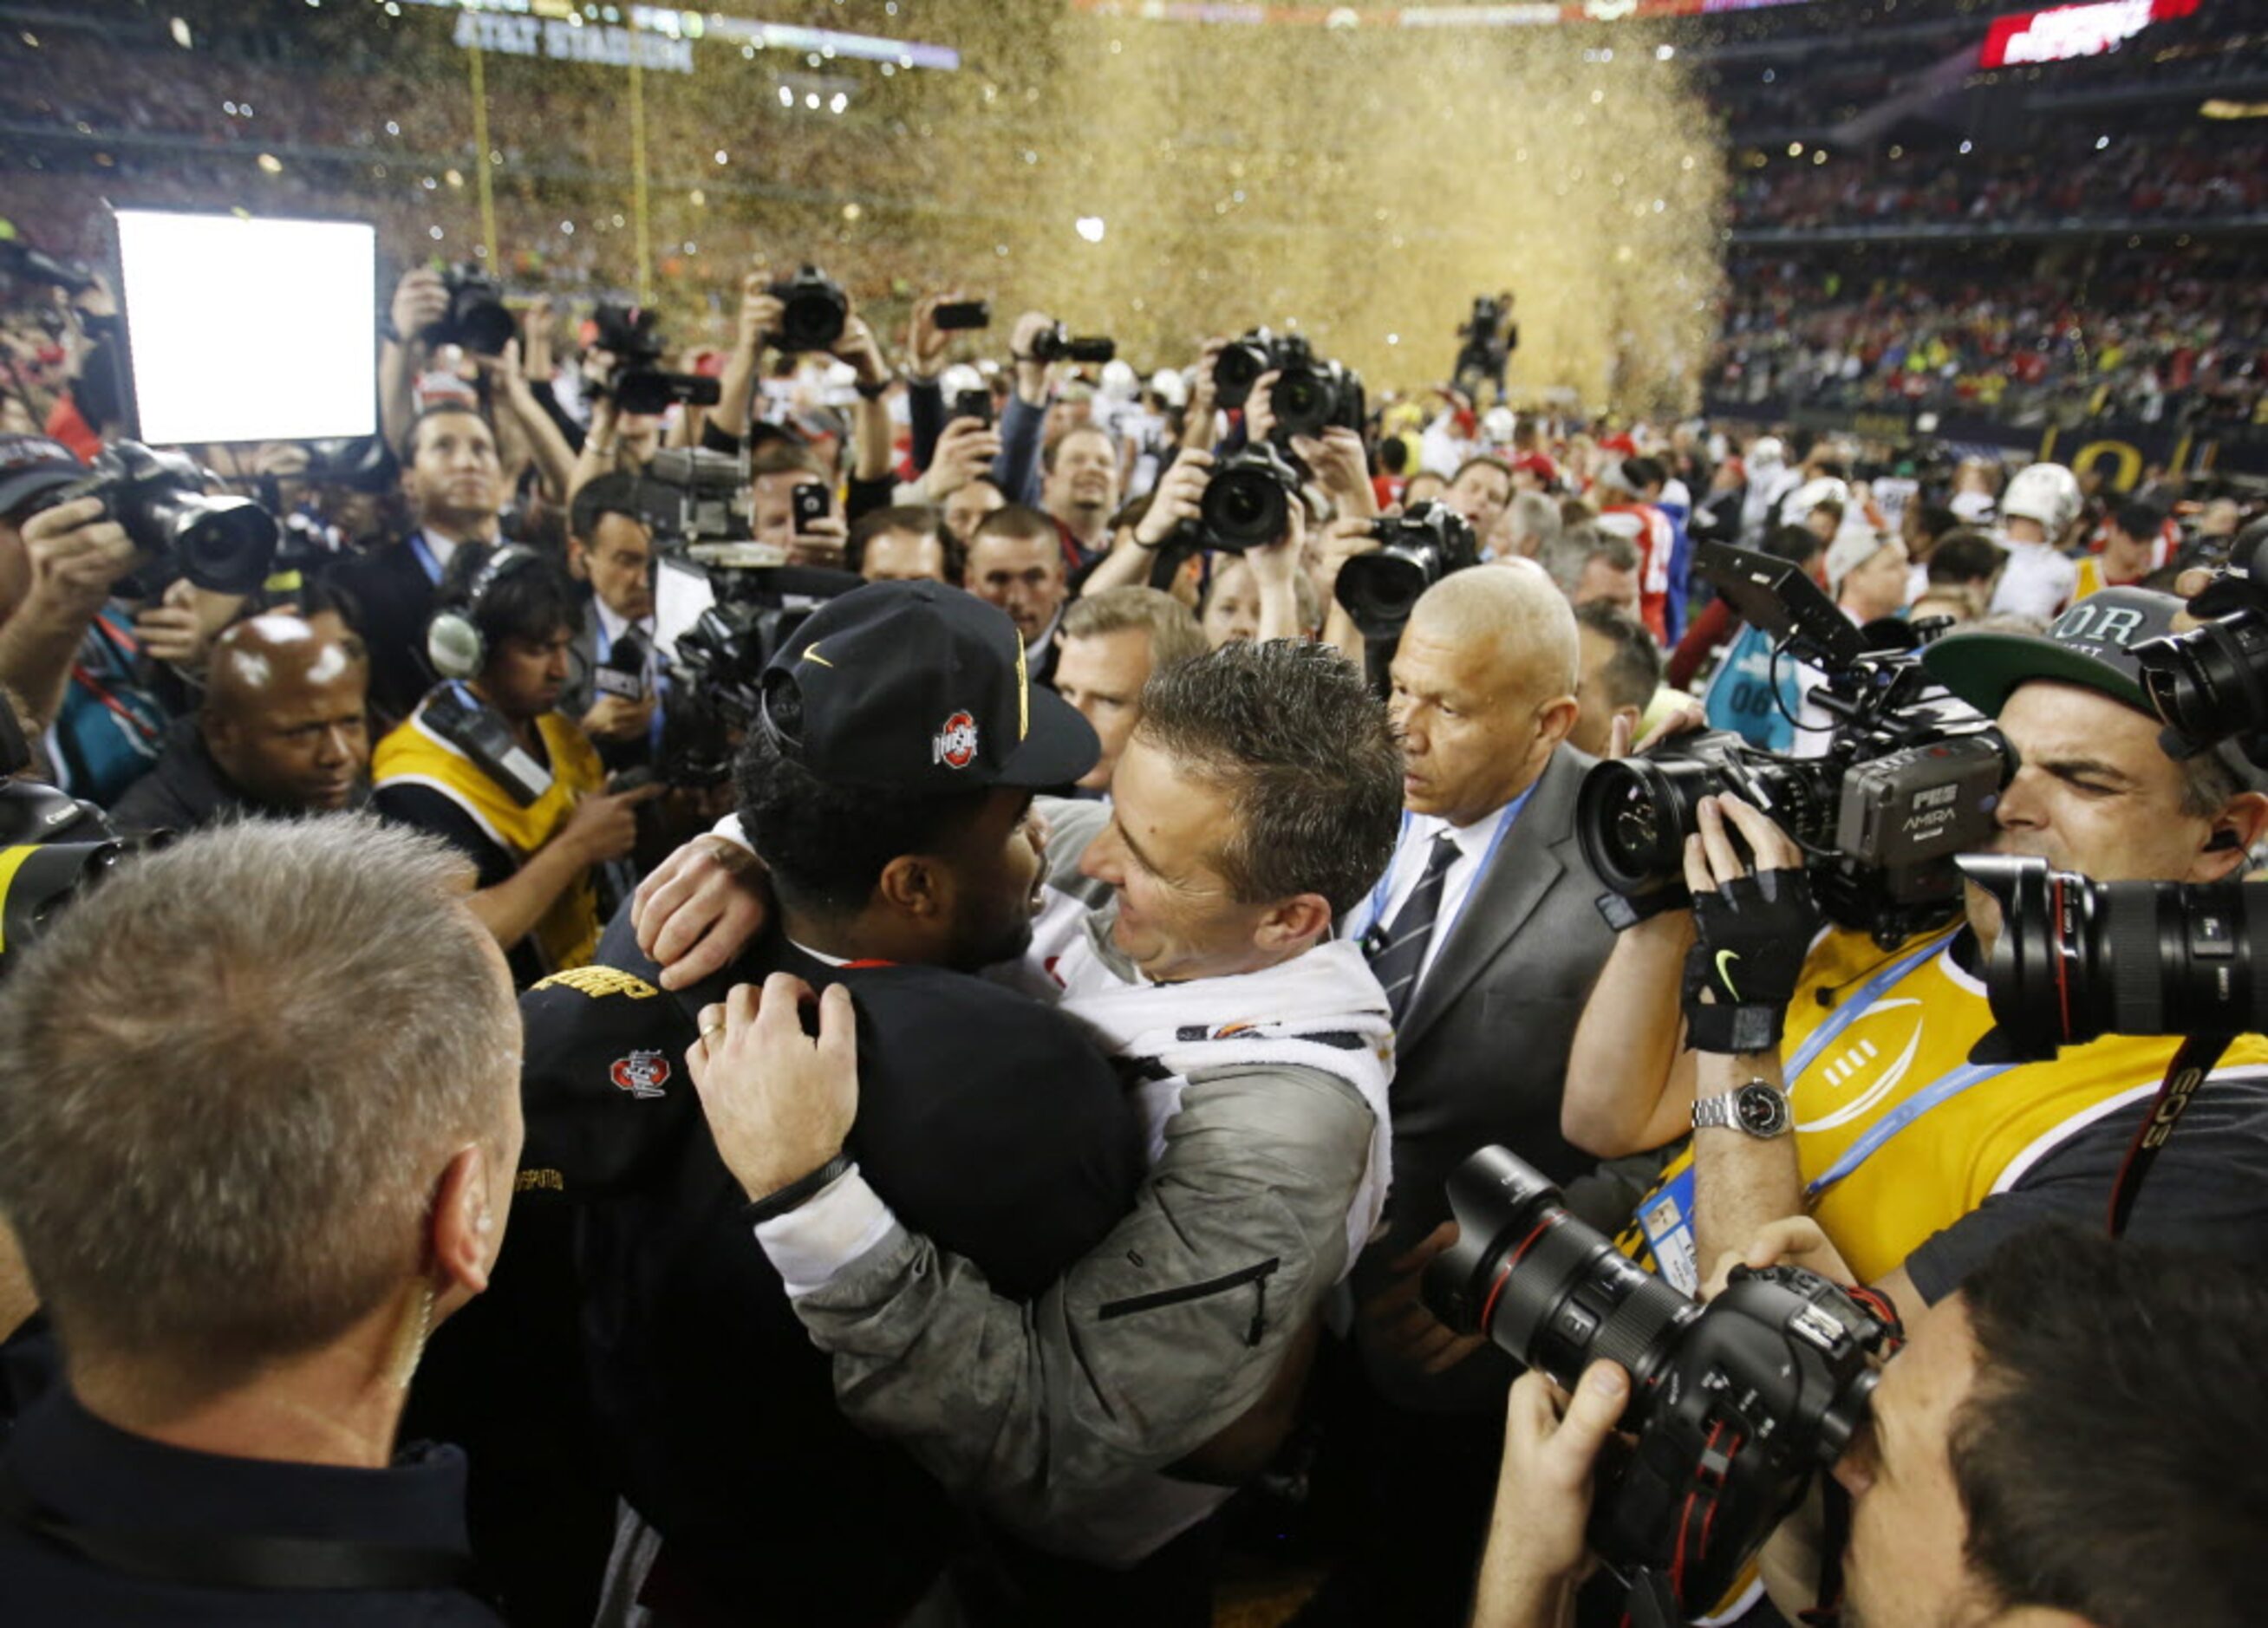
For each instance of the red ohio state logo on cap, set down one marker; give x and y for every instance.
(955, 746)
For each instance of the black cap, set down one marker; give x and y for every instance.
(32, 466)
(917, 687)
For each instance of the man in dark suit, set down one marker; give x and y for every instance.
(455, 487)
(1486, 935)
(611, 546)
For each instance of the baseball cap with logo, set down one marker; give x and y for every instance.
(32, 466)
(2091, 646)
(917, 687)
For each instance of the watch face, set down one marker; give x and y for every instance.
(1761, 1110)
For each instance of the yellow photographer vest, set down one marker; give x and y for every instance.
(414, 754)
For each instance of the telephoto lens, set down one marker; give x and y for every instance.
(2211, 684)
(1736, 1405)
(2075, 958)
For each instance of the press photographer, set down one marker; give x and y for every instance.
(108, 574)
(1916, 1160)
(1997, 1474)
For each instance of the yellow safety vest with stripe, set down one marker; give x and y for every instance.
(1897, 1135)
(414, 754)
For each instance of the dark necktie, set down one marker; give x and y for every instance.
(1396, 961)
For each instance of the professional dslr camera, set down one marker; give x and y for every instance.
(476, 319)
(2211, 684)
(1059, 344)
(637, 382)
(1248, 501)
(1736, 1405)
(1310, 394)
(52, 847)
(813, 311)
(223, 544)
(1910, 779)
(1416, 551)
(2076, 959)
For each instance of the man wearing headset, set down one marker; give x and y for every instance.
(488, 763)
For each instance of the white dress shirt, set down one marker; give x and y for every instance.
(1475, 842)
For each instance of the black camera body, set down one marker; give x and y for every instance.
(476, 319)
(1060, 345)
(1248, 501)
(1736, 1405)
(53, 846)
(2076, 959)
(2211, 684)
(813, 311)
(1310, 393)
(1910, 778)
(638, 382)
(223, 544)
(717, 673)
(1416, 551)
(692, 495)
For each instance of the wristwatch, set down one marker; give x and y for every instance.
(1759, 1108)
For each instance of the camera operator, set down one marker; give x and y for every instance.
(762, 320)
(283, 729)
(610, 546)
(455, 487)
(80, 656)
(2073, 1439)
(487, 762)
(256, 1140)
(1914, 1159)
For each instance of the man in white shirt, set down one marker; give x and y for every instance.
(2042, 500)
(1485, 933)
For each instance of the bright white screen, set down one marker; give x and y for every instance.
(250, 331)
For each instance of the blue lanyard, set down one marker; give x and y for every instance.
(1380, 893)
(1825, 1034)
(424, 550)
(1951, 1085)
(1965, 1078)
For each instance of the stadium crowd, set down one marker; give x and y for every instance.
(851, 964)
(925, 1314)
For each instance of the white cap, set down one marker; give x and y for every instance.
(1119, 380)
(1811, 494)
(960, 377)
(1766, 449)
(1853, 547)
(1172, 388)
(1497, 425)
(2046, 492)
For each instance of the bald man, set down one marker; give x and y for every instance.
(281, 731)
(1484, 932)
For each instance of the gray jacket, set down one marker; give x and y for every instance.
(1055, 1415)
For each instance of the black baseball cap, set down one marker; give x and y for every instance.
(917, 687)
(32, 466)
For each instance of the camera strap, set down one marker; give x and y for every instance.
(234, 1560)
(2193, 1060)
